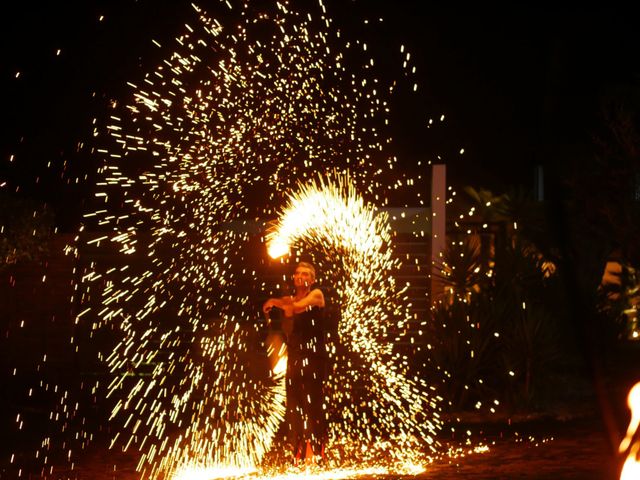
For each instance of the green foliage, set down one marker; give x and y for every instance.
(496, 332)
(529, 317)
(461, 270)
(617, 303)
(25, 228)
(533, 277)
(463, 347)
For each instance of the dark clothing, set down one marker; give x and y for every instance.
(306, 365)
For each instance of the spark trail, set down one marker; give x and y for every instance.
(398, 416)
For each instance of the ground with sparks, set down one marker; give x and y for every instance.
(575, 449)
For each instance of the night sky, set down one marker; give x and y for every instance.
(518, 87)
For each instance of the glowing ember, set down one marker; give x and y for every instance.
(306, 474)
(210, 473)
(631, 467)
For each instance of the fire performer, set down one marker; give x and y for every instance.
(302, 326)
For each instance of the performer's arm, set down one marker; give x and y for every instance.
(276, 302)
(314, 299)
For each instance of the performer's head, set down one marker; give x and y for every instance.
(304, 275)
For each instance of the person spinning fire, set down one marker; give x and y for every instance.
(302, 326)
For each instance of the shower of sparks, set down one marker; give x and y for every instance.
(204, 151)
(352, 244)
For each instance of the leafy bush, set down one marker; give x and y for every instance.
(496, 332)
(25, 227)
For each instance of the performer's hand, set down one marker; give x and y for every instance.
(268, 305)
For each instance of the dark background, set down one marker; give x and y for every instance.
(518, 86)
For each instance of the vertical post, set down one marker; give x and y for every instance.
(438, 226)
(538, 183)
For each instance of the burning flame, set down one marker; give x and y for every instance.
(281, 366)
(631, 467)
(405, 407)
(277, 249)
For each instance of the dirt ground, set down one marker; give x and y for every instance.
(558, 450)
(542, 449)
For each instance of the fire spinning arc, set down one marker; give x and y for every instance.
(354, 250)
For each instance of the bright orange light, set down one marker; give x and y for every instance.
(633, 401)
(281, 366)
(277, 249)
(631, 467)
